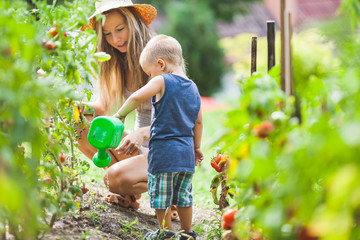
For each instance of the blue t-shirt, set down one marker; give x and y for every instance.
(171, 146)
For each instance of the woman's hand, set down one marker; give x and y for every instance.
(131, 143)
(199, 156)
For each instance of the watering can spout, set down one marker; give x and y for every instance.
(105, 133)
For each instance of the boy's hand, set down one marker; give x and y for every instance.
(121, 118)
(199, 156)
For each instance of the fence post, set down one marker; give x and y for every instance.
(253, 54)
(271, 43)
(287, 53)
(291, 56)
(282, 31)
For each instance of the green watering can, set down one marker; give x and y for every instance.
(105, 133)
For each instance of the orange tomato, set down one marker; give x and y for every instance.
(53, 32)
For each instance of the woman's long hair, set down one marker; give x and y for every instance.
(113, 73)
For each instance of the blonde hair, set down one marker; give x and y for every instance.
(113, 73)
(163, 47)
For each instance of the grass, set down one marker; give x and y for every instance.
(213, 127)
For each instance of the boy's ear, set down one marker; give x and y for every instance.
(162, 63)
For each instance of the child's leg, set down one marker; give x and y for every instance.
(185, 215)
(183, 198)
(160, 193)
(161, 217)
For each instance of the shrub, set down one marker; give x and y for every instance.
(192, 23)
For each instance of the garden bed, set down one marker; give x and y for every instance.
(98, 219)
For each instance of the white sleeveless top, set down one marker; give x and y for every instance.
(143, 117)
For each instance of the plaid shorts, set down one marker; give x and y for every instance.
(173, 188)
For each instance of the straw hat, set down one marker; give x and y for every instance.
(146, 11)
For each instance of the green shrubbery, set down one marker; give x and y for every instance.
(299, 181)
(40, 173)
(193, 24)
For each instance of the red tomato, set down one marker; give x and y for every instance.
(218, 158)
(229, 217)
(225, 226)
(48, 179)
(263, 129)
(8, 51)
(53, 32)
(305, 234)
(65, 35)
(84, 190)
(215, 166)
(62, 158)
(49, 45)
(267, 126)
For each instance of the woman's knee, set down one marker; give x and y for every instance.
(124, 175)
(115, 179)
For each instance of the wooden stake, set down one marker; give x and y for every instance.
(291, 56)
(297, 112)
(253, 54)
(271, 43)
(287, 54)
(282, 58)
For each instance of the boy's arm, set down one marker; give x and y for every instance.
(198, 128)
(154, 86)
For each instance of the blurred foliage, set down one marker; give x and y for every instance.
(40, 172)
(339, 30)
(203, 55)
(227, 9)
(312, 54)
(350, 9)
(189, 19)
(299, 181)
(223, 9)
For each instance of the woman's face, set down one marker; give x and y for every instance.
(116, 31)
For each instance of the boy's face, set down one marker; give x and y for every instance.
(154, 69)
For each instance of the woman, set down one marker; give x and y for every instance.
(123, 32)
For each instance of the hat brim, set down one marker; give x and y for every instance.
(147, 12)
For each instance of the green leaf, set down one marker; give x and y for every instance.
(102, 56)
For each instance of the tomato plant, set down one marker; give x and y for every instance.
(38, 124)
(294, 179)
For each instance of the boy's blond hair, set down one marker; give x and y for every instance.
(163, 47)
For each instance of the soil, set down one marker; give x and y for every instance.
(98, 219)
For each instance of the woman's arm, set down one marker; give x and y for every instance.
(96, 105)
